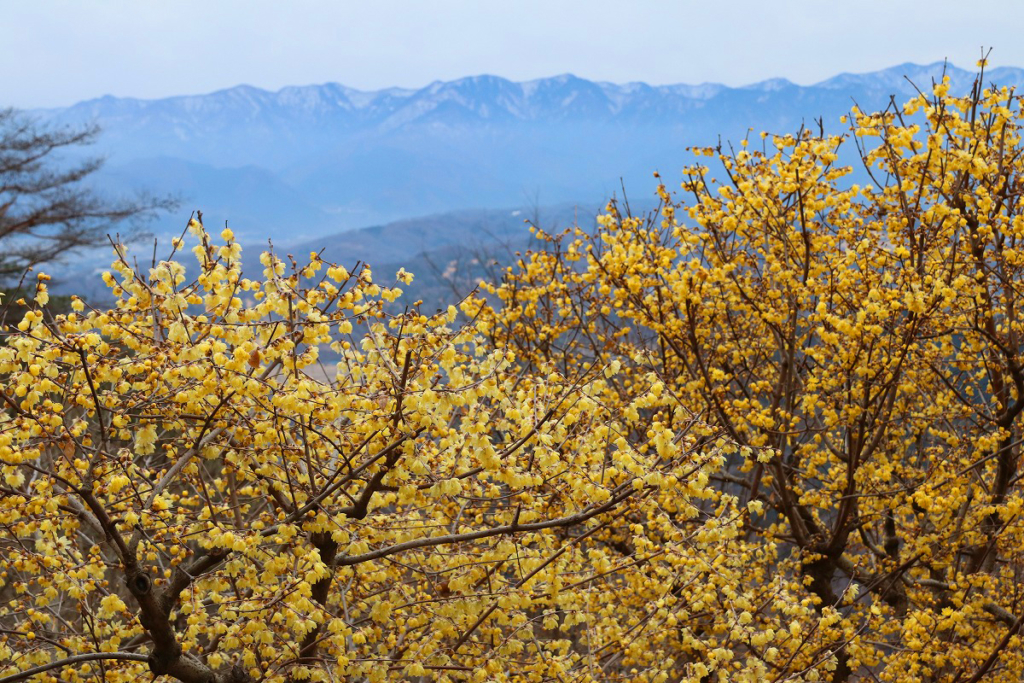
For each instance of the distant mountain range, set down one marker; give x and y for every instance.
(306, 162)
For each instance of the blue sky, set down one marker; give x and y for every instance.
(56, 52)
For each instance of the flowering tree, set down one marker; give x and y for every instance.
(192, 489)
(868, 339)
(770, 433)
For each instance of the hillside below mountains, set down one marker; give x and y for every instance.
(310, 161)
(449, 253)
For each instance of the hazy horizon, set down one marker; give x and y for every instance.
(64, 52)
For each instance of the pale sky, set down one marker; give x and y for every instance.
(56, 52)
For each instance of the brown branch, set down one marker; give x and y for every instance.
(569, 520)
(76, 659)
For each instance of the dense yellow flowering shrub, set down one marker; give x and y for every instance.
(866, 340)
(770, 433)
(190, 490)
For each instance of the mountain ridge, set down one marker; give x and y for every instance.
(357, 99)
(338, 158)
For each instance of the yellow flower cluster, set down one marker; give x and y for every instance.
(225, 479)
(861, 344)
(770, 432)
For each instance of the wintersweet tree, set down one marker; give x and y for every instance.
(770, 433)
(272, 480)
(867, 338)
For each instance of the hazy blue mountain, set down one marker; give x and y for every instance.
(309, 161)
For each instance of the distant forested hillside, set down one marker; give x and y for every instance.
(447, 252)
